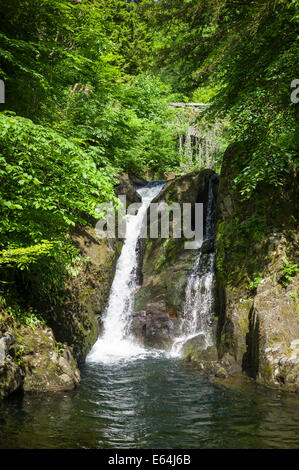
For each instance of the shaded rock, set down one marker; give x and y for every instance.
(207, 246)
(137, 181)
(11, 378)
(125, 187)
(2, 353)
(6, 342)
(11, 375)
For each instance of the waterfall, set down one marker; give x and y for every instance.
(198, 307)
(116, 342)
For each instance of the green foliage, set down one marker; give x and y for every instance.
(20, 355)
(287, 271)
(23, 316)
(59, 349)
(206, 93)
(23, 257)
(75, 59)
(160, 264)
(48, 183)
(255, 281)
(133, 129)
(242, 58)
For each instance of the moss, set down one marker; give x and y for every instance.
(243, 316)
(160, 263)
(244, 227)
(266, 372)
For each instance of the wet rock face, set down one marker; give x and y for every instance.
(208, 246)
(153, 327)
(258, 316)
(159, 301)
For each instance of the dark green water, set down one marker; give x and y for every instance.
(150, 403)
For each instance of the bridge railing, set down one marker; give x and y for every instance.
(189, 105)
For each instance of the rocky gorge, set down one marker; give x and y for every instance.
(255, 323)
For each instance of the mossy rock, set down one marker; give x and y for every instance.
(256, 314)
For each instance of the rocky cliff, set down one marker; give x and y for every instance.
(258, 277)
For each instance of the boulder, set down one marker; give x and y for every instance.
(194, 346)
(153, 327)
(48, 365)
(32, 361)
(50, 369)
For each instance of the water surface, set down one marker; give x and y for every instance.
(150, 402)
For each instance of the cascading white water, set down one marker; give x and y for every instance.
(198, 308)
(116, 342)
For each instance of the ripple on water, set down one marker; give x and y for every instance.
(150, 402)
